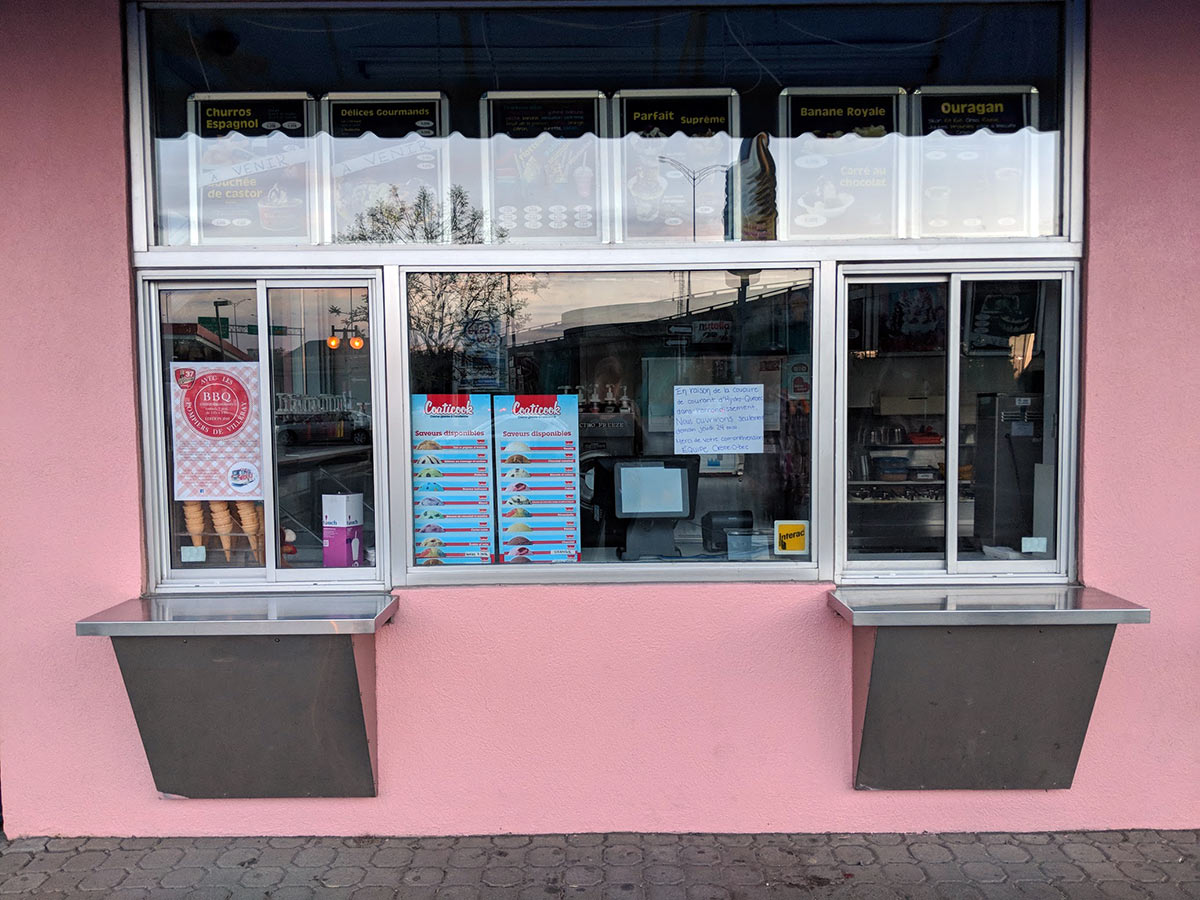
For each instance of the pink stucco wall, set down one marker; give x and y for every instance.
(600, 707)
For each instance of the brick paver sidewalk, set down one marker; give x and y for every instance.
(1110, 864)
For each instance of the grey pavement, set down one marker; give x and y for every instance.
(1080, 866)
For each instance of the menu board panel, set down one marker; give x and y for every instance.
(543, 166)
(676, 148)
(382, 148)
(453, 511)
(537, 476)
(843, 161)
(252, 168)
(975, 173)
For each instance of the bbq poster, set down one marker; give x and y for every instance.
(252, 168)
(453, 519)
(216, 430)
(537, 477)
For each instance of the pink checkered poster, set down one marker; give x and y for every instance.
(217, 431)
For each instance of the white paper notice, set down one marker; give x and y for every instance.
(718, 418)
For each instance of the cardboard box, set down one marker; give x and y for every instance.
(342, 530)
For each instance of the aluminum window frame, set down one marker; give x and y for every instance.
(162, 576)
(387, 266)
(815, 568)
(1062, 568)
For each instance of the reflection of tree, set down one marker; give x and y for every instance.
(457, 321)
(422, 220)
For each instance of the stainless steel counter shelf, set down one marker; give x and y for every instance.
(252, 694)
(975, 688)
(988, 605)
(176, 615)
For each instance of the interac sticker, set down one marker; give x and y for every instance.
(791, 537)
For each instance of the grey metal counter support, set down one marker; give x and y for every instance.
(252, 696)
(975, 688)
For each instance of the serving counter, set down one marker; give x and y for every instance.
(263, 695)
(975, 687)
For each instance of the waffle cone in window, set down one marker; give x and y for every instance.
(222, 525)
(193, 517)
(248, 515)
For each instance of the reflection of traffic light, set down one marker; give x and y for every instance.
(356, 342)
(333, 341)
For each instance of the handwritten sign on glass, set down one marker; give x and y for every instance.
(718, 418)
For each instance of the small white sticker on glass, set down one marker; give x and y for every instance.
(1033, 545)
(191, 554)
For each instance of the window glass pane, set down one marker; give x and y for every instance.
(896, 421)
(1008, 452)
(627, 123)
(611, 417)
(211, 395)
(321, 380)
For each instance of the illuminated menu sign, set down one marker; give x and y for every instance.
(252, 168)
(384, 151)
(843, 166)
(976, 161)
(543, 165)
(675, 151)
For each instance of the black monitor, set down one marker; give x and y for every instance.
(653, 493)
(655, 487)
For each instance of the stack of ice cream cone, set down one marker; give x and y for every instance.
(251, 524)
(193, 516)
(222, 524)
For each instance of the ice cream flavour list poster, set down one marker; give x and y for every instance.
(453, 512)
(537, 474)
(216, 431)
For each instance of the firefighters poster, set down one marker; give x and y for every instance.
(216, 428)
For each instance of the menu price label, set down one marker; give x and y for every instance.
(252, 169)
(453, 511)
(844, 163)
(670, 143)
(543, 167)
(537, 475)
(383, 151)
(216, 431)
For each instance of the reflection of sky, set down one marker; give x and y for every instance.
(578, 298)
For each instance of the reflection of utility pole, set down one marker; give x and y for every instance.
(743, 276)
(695, 176)
(217, 304)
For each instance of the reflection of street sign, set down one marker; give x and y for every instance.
(718, 331)
(676, 342)
(679, 329)
(210, 322)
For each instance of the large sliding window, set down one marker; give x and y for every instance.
(955, 408)
(262, 445)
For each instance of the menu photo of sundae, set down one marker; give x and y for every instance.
(676, 149)
(543, 164)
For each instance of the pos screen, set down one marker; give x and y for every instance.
(651, 489)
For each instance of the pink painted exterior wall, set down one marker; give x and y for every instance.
(591, 708)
